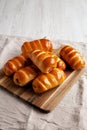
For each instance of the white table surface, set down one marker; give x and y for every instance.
(61, 19)
(58, 20)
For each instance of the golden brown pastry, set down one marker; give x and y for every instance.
(41, 44)
(61, 64)
(16, 63)
(25, 75)
(45, 61)
(72, 57)
(44, 82)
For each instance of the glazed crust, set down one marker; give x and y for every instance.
(61, 64)
(15, 64)
(44, 82)
(41, 44)
(25, 75)
(45, 61)
(72, 57)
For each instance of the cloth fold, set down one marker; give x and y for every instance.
(70, 113)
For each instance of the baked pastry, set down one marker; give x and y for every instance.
(61, 64)
(15, 64)
(25, 75)
(41, 44)
(45, 61)
(72, 57)
(44, 82)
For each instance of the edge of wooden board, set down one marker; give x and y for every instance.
(46, 101)
(60, 92)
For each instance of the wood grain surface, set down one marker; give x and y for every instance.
(57, 19)
(46, 101)
(17, 113)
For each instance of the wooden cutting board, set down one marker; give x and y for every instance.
(46, 101)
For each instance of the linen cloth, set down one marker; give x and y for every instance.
(16, 114)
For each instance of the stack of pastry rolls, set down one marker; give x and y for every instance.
(40, 66)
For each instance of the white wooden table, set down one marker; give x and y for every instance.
(58, 20)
